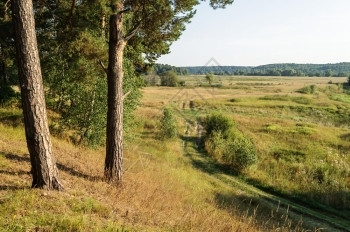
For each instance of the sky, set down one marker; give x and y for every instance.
(257, 32)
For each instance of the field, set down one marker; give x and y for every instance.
(301, 182)
(300, 127)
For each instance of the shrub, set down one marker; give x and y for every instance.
(240, 152)
(6, 93)
(168, 125)
(215, 144)
(227, 144)
(169, 78)
(310, 89)
(218, 122)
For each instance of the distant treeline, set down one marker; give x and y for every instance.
(285, 69)
(159, 69)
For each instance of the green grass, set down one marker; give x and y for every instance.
(341, 98)
(302, 172)
(301, 139)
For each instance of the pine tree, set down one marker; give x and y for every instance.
(157, 24)
(44, 170)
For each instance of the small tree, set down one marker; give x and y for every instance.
(169, 78)
(209, 77)
(168, 125)
(348, 81)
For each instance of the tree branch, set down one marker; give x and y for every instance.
(71, 12)
(125, 95)
(133, 31)
(103, 66)
(6, 8)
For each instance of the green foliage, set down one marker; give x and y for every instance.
(7, 94)
(240, 152)
(289, 155)
(283, 69)
(162, 68)
(227, 144)
(275, 98)
(310, 89)
(209, 77)
(301, 100)
(215, 144)
(218, 122)
(169, 78)
(341, 97)
(168, 125)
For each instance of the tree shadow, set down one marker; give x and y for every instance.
(260, 212)
(267, 215)
(204, 162)
(12, 187)
(60, 166)
(14, 173)
(18, 158)
(76, 173)
(11, 119)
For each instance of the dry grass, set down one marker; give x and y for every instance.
(163, 189)
(161, 192)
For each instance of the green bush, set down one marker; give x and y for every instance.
(6, 93)
(310, 89)
(227, 144)
(168, 125)
(169, 78)
(218, 122)
(240, 152)
(215, 144)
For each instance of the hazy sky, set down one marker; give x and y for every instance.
(255, 32)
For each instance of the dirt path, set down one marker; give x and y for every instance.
(311, 217)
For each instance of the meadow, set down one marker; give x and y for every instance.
(299, 125)
(301, 181)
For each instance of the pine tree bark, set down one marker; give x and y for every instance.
(44, 170)
(114, 142)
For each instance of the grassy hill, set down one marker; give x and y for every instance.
(173, 186)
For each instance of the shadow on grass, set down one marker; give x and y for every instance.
(75, 173)
(204, 162)
(11, 119)
(11, 187)
(60, 166)
(18, 158)
(258, 212)
(14, 173)
(149, 134)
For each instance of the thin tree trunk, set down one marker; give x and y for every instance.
(114, 142)
(71, 12)
(103, 25)
(3, 71)
(44, 170)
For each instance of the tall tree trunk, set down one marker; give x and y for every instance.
(3, 71)
(114, 143)
(44, 170)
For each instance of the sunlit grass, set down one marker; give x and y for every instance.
(303, 148)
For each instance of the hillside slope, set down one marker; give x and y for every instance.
(164, 190)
